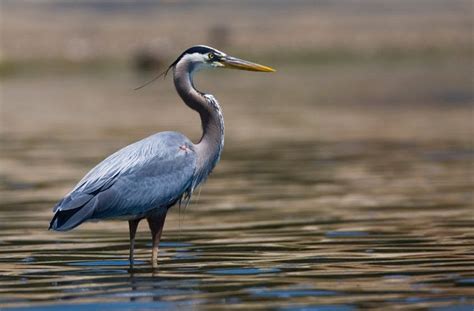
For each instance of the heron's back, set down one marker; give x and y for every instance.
(147, 175)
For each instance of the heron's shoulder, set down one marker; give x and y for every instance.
(156, 142)
(169, 137)
(163, 143)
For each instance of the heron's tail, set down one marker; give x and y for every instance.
(65, 219)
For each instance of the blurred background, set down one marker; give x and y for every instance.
(347, 69)
(359, 147)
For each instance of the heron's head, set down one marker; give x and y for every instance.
(201, 57)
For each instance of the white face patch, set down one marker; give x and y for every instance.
(198, 60)
(201, 61)
(195, 58)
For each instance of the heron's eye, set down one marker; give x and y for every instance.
(211, 56)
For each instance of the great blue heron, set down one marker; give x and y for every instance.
(146, 178)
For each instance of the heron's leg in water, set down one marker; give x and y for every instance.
(156, 223)
(132, 226)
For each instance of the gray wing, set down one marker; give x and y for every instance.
(152, 173)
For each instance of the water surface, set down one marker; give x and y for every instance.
(342, 226)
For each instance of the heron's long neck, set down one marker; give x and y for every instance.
(210, 145)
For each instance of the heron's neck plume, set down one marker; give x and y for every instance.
(210, 145)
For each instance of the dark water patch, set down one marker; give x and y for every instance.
(108, 263)
(465, 282)
(290, 292)
(243, 271)
(346, 234)
(418, 300)
(333, 307)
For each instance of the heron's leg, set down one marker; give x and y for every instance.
(132, 226)
(156, 223)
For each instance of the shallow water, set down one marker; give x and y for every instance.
(298, 226)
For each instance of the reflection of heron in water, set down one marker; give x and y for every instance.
(146, 178)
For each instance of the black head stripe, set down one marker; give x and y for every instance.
(199, 49)
(196, 49)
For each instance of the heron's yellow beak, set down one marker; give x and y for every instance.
(235, 63)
